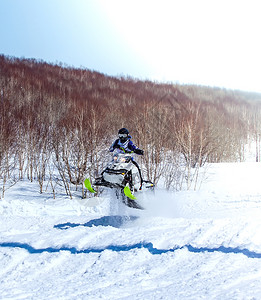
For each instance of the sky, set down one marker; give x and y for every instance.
(202, 42)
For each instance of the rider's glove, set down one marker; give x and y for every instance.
(139, 151)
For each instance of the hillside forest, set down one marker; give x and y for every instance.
(57, 123)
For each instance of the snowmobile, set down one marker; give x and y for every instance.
(124, 175)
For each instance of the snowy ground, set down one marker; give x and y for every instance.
(202, 244)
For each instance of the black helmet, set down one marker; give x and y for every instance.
(123, 134)
(123, 131)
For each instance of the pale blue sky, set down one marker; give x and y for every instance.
(206, 42)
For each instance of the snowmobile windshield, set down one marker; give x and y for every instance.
(121, 158)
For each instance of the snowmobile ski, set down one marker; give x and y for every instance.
(87, 184)
(128, 193)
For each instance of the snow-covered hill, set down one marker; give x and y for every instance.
(202, 244)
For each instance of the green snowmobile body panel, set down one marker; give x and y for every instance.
(128, 193)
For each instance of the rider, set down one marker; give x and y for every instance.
(124, 145)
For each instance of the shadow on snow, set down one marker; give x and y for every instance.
(118, 248)
(114, 221)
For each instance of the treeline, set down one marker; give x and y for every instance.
(56, 124)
